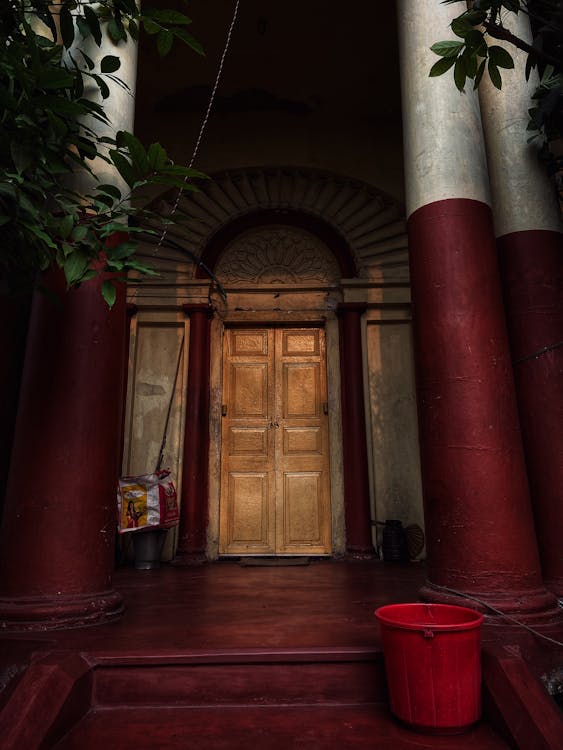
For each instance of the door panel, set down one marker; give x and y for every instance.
(275, 496)
(301, 388)
(249, 389)
(249, 509)
(301, 509)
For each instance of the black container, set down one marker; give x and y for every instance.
(147, 546)
(394, 542)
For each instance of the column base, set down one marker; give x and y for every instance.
(532, 607)
(59, 612)
(555, 585)
(189, 559)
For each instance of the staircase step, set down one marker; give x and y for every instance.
(271, 727)
(249, 677)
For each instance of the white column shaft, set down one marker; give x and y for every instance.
(443, 144)
(119, 106)
(523, 197)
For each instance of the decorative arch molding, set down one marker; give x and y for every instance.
(364, 227)
(276, 254)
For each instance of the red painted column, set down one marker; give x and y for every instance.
(57, 537)
(14, 318)
(532, 274)
(480, 532)
(479, 522)
(530, 245)
(192, 541)
(357, 509)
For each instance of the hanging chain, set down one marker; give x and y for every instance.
(203, 123)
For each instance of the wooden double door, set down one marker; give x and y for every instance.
(275, 488)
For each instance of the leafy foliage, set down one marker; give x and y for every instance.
(44, 141)
(473, 54)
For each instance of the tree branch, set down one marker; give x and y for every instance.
(503, 34)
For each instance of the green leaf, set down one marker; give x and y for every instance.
(172, 17)
(138, 266)
(109, 293)
(110, 190)
(470, 61)
(475, 17)
(460, 73)
(133, 30)
(179, 171)
(123, 250)
(93, 23)
(136, 150)
(75, 266)
(115, 226)
(164, 42)
(116, 30)
(447, 49)
(512, 5)
(500, 57)
(110, 63)
(65, 226)
(123, 167)
(67, 26)
(461, 26)
(475, 42)
(494, 75)
(188, 39)
(157, 156)
(7, 189)
(114, 264)
(40, 234)
(22, 155)
(55, 78)
(83, 27)
(79, 232)
(151, 27)
(441, 66)
(547, 75)
(102, 85)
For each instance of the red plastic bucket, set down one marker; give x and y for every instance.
(432, 658)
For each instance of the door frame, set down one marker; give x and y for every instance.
(327, 321)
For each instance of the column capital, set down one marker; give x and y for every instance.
(193, 308)
(351, 307)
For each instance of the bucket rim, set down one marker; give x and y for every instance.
(385, 616)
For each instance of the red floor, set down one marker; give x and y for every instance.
(224, 656)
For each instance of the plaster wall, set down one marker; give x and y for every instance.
(156, 339)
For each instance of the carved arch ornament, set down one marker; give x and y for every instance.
(370, 224)
(276, 255)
